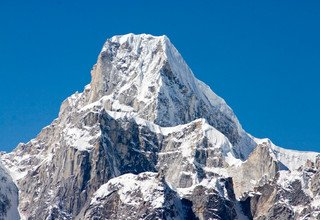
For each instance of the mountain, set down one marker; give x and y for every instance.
(147, 140)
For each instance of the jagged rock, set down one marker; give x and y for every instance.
(285, 197)
(280, 211)
(142, 196)
(209, 204)
(315, 184)
(260, 167)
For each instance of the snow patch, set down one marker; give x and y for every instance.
(81, 139)
(129, 185)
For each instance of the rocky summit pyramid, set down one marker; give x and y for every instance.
(147, 140)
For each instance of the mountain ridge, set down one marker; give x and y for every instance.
(141, 118)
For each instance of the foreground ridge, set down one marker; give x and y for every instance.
(147, 140)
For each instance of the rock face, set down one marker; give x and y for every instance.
(147, 140)
(260, 167)
(126, 193)
(288, 196)
(8, 196)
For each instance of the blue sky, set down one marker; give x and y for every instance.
(262, 57)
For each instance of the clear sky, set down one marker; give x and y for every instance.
(262, 57)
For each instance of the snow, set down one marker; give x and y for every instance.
(286, 177)
(116, 105)
(232, 160)
(126, 185)
(132, 39)
(92, 105)
(292, 159)
(217, 101)
(82, 139)
(15, 172)
(218, 140)
(316, 202)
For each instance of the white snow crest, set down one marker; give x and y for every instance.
(292, 159)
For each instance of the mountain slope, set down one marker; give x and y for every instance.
(8, 196)
(147, 75)
(146, 124)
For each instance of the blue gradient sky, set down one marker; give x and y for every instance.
(262, 57)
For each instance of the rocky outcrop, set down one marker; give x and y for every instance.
(143, 196)
(148, 196)
(260, 167)
(288, 196)
(208, 203)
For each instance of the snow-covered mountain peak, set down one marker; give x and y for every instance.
(147, 140)
(149, 46)
(145, 48)
(136, 39)
(147, 75)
